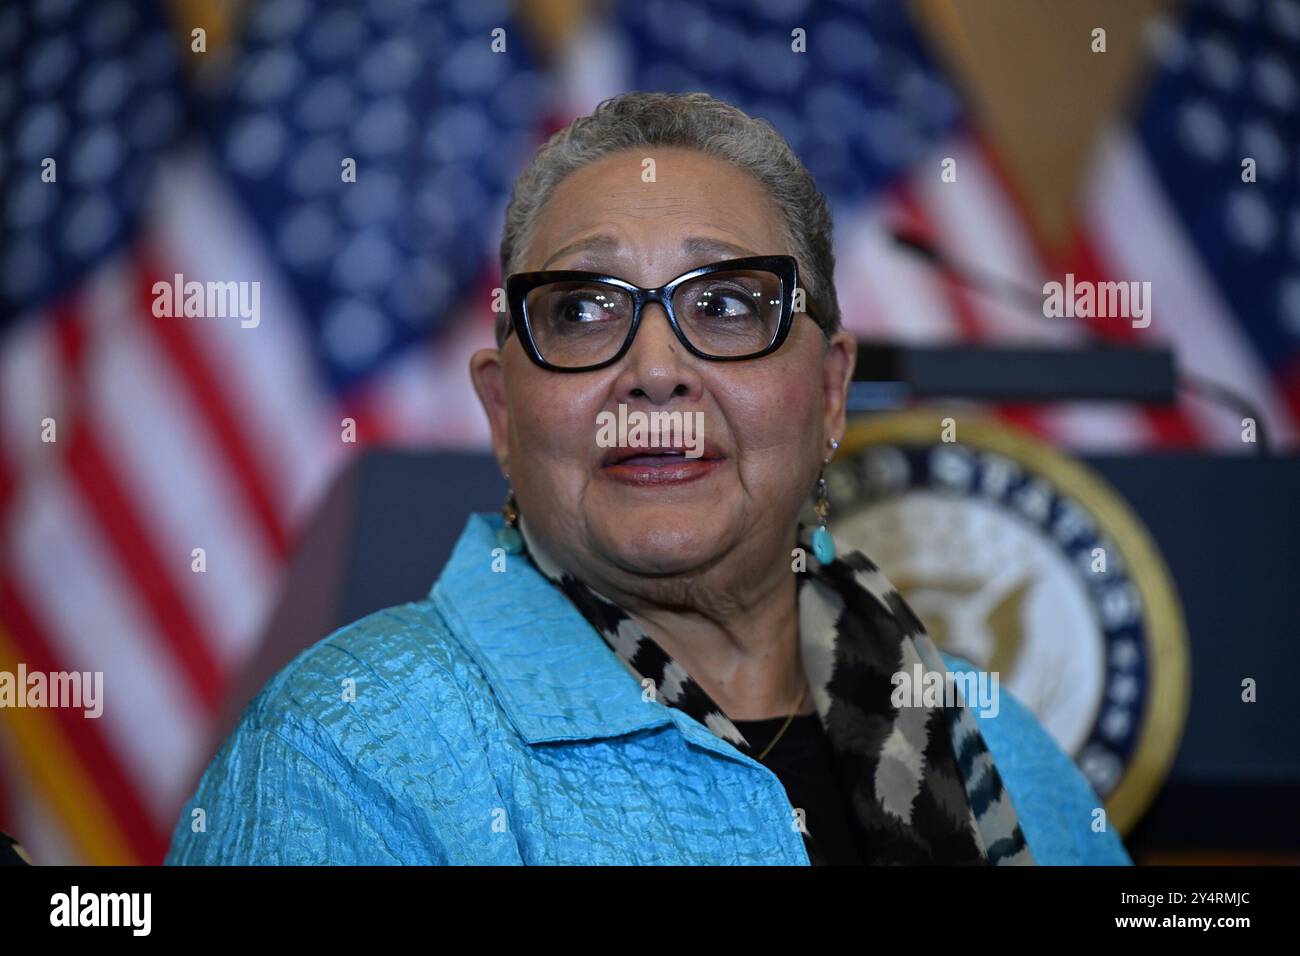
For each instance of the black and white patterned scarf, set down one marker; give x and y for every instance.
(923, 788)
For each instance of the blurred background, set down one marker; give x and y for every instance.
(206, 139)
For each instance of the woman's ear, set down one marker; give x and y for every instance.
(485, 372)
(837, 372)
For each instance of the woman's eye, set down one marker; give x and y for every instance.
(585, 308)
(724, 304)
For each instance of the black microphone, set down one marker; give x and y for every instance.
(1004, 290)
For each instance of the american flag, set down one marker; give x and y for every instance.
(182, 433)
(177, 434)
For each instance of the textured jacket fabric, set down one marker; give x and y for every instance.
(490, 724)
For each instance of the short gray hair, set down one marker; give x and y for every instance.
(695, 121)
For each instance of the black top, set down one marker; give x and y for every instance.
(801, 760)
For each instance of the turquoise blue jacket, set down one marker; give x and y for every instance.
(490, 724)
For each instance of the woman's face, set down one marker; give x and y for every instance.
(766, 422)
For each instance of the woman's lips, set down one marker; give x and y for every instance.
(659, 469)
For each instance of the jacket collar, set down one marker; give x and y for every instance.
(554, 675)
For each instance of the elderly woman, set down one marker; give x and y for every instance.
(648, 658)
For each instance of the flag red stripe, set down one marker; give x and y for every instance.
(124, 800)
(69, 338)
(8, 489)
(118, 516)
(1286, 380)
(372, 426)
(209, 401)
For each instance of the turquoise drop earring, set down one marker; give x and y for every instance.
(508, 536)
(822, 543)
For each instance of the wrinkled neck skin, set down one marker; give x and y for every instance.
(732, 624)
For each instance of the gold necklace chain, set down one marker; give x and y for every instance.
(787, 723)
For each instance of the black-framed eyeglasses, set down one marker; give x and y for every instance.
(574, 321)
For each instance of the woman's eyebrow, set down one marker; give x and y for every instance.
(602, 242)
(694, 246)
(700, 247)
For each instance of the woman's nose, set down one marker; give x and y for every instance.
(657, 366)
